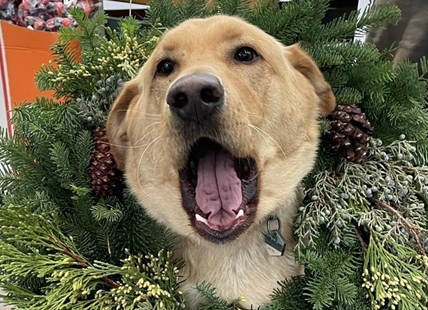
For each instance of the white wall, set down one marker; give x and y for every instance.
(362, 4)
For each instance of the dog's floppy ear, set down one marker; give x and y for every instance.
(303, 63)
(116, 127)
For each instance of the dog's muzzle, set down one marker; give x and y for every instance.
(219, 191)
(195, 97)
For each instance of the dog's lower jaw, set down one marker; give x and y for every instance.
(240, 269)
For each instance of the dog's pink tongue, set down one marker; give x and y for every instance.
(218, 190)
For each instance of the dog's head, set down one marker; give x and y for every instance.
(219, 127)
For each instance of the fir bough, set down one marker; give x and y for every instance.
(32, 245)
(83, 56)
(62, 229)
(361, 230)
(382, 205)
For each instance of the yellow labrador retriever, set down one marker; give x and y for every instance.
(214, 136)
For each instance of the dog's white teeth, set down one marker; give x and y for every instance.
(239, 214)
(201, 219)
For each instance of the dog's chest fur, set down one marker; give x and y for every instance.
(239, 269)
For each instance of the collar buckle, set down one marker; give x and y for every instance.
(274, 241)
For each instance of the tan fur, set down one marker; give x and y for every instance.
(270, 114)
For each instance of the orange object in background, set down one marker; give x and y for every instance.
(22, 53)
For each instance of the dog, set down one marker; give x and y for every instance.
(214, 136)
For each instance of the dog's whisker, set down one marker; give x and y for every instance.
(127, 147)
(151, 114)
(139, 112)
(141, 160)
(158, 157)
(135, 145)
(156, 162)
(266, 135)
(142, 116)
(253, 178)
(256, 129)
(137, 118)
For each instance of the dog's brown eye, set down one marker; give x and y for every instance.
(246, 54)
(165, 67)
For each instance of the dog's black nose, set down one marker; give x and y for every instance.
(195, 97)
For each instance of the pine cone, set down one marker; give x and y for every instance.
(350, 132)
(105, 176)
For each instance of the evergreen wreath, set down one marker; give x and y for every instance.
(72, 237)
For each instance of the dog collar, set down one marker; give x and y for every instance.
(274, 241)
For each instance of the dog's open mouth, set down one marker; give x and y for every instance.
(219, 191)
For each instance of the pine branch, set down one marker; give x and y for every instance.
(346, 95)
(232, 7)
(88, 32)
(191, 9)
(46, 252)
(83, 264)
(289, 295)
(344, 27)
(414, 229)
(394, 279)
(163, 12)
(213, 301)
(379, 15)
(347, 196)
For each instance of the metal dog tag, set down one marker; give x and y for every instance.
(275, 242)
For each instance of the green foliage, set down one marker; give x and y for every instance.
(90, 68)
(285, 297)
(212, 301)
(404, 100)
(80, 66)
(45, 173)
(382, 204)
(345, 26)
(397, 279)
(359, 228)
(329, 272)
(33, 246)
(329, 281)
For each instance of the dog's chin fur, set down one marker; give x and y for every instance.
(270, 114)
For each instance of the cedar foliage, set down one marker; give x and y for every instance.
(361, 230)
